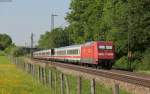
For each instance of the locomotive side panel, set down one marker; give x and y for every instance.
(89, 53)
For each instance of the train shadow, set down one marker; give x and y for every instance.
(122, 69)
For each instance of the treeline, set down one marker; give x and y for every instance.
(56, 38)
(125, 22)
(5, 41)
(8, 47)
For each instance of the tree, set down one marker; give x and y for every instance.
(56, 38)
(5, 41)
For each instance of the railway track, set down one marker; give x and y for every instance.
(129, 77)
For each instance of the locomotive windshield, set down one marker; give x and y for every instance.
(105, 47)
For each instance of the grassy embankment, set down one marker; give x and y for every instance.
(15, 81)
(72, 81)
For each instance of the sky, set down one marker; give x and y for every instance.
(20, 18)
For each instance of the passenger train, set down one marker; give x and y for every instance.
(97, 53)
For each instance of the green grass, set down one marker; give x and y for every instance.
(144, 72)
(15, 81)
(100, 88)
(2, 53)
(72, 80)
(4, 60)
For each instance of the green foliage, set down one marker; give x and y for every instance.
(2, 53)
(56, 38)
(9, 49)
(145, 64)
(125, 22)
(122, 62)
(4, 60)
(5, 41)
(85, 20)
(14, 51)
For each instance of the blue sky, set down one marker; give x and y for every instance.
(21, 17)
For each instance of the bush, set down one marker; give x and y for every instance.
(140, 61)
(16, 52)
(2, 53)
(9, 49)
(146, 60)
(122, 62)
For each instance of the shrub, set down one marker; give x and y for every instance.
(16, 52)
(2, 53)
(122, 62)
(146, 60)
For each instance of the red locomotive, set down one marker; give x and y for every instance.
(100, 53)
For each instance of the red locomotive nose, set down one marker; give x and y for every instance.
(105, 50)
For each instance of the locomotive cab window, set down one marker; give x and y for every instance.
(105, 47)
(109, 47)
(102, 47)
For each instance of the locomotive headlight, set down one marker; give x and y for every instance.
(110, 54)
(101, 54)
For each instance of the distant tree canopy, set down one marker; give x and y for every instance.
(56, 38)
(5, 41)
(14, 51)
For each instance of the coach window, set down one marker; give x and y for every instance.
(76, 52)
(73, 52)
(48, 53)
(58, 52)
(64, 52)
(68, 52)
